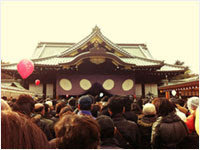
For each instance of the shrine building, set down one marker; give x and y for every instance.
(93, 65)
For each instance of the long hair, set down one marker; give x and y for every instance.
(18, 132)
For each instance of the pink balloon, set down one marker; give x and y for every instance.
(25, 68)
(37, 82)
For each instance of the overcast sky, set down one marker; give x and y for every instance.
(169, 28)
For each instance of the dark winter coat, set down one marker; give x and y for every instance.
(130, 115)
(145, 127)
(168, 131)
(128, 132)
(109, 143)
(43, 125)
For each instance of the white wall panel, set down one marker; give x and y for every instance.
(138, 89)
(49, 90)
(37, 89)
(152, 88)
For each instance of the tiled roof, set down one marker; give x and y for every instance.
(174, 84)
(47, 49)
(8, 87)
(140, 61)
(49, 61)
(52, 61)
(55, 61)
(138, 51)
(168, 67)
(9, 67)
(136, 54)
(96, 32)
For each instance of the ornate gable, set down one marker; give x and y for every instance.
(95, 39)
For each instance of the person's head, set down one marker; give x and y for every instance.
(4, 98)
(164, 106)
(13, 100)
(156, 101)
(105, 99)
(50, 104)
(85, 102)
(107, 126)
(24, 104)
(17, 132)
(115, 105)
(193, 103)
(77, 132)
(65, 109)
(92, 98)
(149, 109)
(59, 106)
(95, 109)
(197, 120)
(39, 108)
(174, 100)
(73, 102)
(127, 103)
(4, 105)
(54, 102)
(46, 109)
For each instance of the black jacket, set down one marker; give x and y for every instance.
(43, 125)
(130, 115)
(128, 132)
(168, 131)
(109, 143)
(145, 126)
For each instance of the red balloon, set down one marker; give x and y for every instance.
(37, 82)
(25, 68)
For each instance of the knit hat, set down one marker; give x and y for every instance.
(193, 103)
(85, 100)
(149, 109)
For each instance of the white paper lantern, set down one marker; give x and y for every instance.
(65, 84)
(173, 92)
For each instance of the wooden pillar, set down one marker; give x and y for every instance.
(143, 90)
(44, 90)
(54, 89)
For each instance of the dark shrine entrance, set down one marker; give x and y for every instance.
(96, 89)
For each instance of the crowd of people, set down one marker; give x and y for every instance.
(87, 122)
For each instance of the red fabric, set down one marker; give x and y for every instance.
(190, 123)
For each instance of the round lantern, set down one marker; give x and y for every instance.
(37, 82)
(173, 92)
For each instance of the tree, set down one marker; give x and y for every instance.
(178, 62)
(187, 73)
